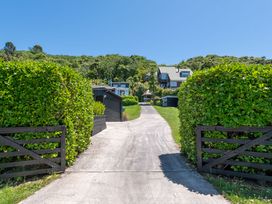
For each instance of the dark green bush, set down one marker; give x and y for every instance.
(170, 92)
(98, 108)
(129, 100)
(131, 97)
(160, 92)
(230, 95)
(156, 101)
(45, 94)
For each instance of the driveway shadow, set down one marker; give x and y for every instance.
(178, 172)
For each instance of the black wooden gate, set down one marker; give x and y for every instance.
(24, 161)
(227, 157)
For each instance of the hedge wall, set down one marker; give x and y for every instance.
(230, 95)
(45, 94)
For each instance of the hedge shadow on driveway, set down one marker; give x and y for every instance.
(178, 172)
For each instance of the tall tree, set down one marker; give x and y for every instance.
(152, 77)
(36, 49)
(9, 48)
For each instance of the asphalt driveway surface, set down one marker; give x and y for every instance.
(130, 162)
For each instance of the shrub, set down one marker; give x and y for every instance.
(166, 92)
(170, 92)
(156, 101)
(131, 97)
(129, 100)
(98, 108)
(230, 95)
(45, 94)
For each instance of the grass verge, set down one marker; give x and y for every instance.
(11, 193)
(241, 192)
(236, 191)
(132, 112)
(170, 114)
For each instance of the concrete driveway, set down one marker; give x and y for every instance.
(130, 162)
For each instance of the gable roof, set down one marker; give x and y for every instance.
(174, 73)
(113, 94)
(105, 90)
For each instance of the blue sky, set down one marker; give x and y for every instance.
(167, 31)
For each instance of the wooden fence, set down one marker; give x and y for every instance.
(221, 164)
(25, 161)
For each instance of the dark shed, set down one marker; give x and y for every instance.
(170, 101)
(112, 102)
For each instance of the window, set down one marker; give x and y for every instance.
(164, 76)
(124, 85)
(173, 84)
(184, 73)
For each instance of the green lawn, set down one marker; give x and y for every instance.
(170, 114)
(132, 112)
(12, 193)
(236, 191)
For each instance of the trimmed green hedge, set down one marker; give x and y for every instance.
(129, 100)
(229, 95)
(45, 94)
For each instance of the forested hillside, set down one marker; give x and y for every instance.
(139, 71)
(119, 68)
(109, 67)
(200, 62)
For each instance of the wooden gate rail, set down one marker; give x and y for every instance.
(210, 165)
(54, 164)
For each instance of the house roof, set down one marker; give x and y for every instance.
(97, 87)
(169, 97)
(106, 90)
(113, 94)
(174, 73)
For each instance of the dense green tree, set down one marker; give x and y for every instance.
(152, 78)
(36, 49)
(9, 48)
(132, 84)
(140, 88)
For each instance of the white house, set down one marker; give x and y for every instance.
(121, 88)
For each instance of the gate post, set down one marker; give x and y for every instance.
(199, 147)
(62, 149)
